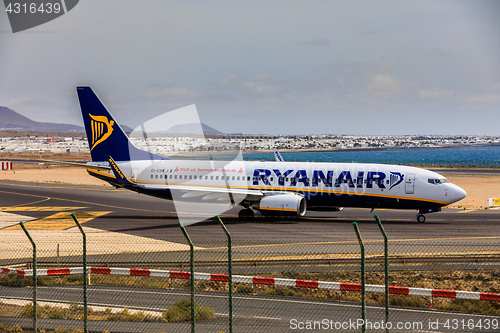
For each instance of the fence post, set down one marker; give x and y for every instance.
(35, 305)
(191, 250)
(230, 273)
(386, 262)
(85, 305)
(363, 283)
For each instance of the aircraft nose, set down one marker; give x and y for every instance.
(457, 194)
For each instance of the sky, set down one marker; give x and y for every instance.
(266, 67)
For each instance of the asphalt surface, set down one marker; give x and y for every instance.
(451, 230)
(252, 313)
(141, 215)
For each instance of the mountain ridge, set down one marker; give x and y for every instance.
(12, 120)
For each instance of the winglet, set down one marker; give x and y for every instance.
(119, 175)
(278, 156)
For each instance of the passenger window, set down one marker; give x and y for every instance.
(238, 178)
(233, 177)
(248, 178)
(170, 177)
(175, 177)
(151, 176)
(206, 177)
(216, 177)
(190, 177)
(156, 176)
(387, 181)
(272, 179)
(185, 177)
(211, 177)
(194, 176)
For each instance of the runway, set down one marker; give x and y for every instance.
(130, 213)
(132, 229)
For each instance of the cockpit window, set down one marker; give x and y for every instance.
(438, 181)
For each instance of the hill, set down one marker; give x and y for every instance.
(11, 120)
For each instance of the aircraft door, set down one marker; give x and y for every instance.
(410, 183)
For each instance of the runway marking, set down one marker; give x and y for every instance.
(31, 203)
(37, 209)
(469, 210)
(90, 203)
(59, 221)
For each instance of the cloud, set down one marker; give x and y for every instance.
(481, 95)
(443, 53)
(322, 42)
(382, 84)
(435, 93)
(171, 93)
(350, 67)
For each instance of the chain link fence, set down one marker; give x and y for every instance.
(140, 284)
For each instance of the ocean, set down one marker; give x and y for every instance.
(488, 156)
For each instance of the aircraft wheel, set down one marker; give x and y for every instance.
(420, 218)
(246, 214)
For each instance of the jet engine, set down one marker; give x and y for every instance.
(283, 204)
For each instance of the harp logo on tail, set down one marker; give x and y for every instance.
(102, 128)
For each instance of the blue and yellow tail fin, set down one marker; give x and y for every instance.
(106, 137)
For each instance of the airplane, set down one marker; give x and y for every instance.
(273, 188)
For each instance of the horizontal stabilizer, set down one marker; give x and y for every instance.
(89, 165)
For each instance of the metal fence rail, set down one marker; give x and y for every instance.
(275, 286)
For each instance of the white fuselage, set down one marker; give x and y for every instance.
(322, 184)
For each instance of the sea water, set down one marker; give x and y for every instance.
(488, 156)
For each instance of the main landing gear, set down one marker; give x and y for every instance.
(246, 214)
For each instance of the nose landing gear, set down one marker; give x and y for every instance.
(421, 212)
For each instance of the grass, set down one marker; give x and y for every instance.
(179, 311)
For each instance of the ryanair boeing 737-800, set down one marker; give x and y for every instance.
(273, 188)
